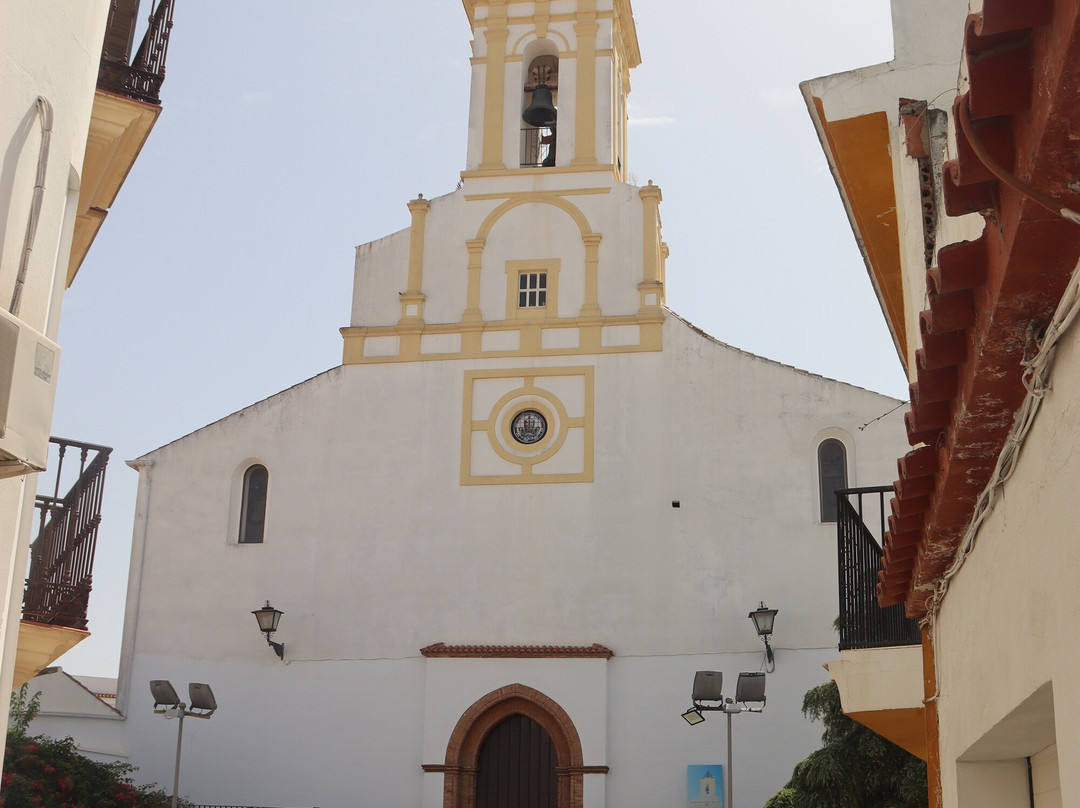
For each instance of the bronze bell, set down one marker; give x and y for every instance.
(540, 112)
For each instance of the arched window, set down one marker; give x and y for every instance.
(516, 766)
(832, 475)
(253, 505)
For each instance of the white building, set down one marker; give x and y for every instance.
(76, 107)
(531, 497)
(958, 165)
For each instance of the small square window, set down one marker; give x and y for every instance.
(532, 290)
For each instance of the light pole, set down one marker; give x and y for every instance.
(708, 687)
(168, 704)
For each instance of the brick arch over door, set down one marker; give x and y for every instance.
(459, 784)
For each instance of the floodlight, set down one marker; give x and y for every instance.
(164, 695)
(750, 687)
(708, 686)
(693, 716)
(202, 699)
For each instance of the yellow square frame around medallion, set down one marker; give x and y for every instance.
(532, 393)
(514, 270)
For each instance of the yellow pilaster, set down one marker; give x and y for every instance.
(585, 113)
(495, 85)
(476, 252)
(591, 307)
(664, 253)
(652, 285)
(412, 300)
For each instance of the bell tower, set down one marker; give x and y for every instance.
(544, 250)
(549, 85)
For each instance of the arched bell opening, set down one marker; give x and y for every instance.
(539, 103)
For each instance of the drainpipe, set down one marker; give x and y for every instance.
(44, 109)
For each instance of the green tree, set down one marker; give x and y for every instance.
(855, 768)
(42, 772)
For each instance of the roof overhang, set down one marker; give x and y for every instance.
(858, 150)
(988, 298)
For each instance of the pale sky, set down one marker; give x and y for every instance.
(292, 132)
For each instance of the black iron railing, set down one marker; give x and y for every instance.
(863, 623)
(62, 556)
(537, 146)
(143, 77)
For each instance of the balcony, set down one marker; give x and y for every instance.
(864, 624)
(126, 106)
(60, 575)
(142, 78)
(880, 670)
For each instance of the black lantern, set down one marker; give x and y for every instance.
(763, 618)
(268, 618)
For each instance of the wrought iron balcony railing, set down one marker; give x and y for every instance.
(863, 623)
(62, 556)
(537, 146)
(142, 78)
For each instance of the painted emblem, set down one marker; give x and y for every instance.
(528, 427)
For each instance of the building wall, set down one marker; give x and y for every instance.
(50, 49)
(1008, 665)
(375, 550)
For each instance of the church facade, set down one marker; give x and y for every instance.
(527, 507)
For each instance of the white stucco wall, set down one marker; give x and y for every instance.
(374, 550)
(1005, 633)
(48, 48)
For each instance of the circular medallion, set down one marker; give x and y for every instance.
(528, 427)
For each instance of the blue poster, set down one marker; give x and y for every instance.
(705, 786)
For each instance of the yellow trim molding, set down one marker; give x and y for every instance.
(563, 396)
(370, 345)
(503, 171)
(585, 107)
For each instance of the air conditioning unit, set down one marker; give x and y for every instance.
(28, 364)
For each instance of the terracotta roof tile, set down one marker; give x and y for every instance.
(987, 298)
(595, 650)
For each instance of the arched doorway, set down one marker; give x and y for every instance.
(485, 732)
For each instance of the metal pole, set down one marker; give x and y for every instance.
(729, 800)
(182, 710)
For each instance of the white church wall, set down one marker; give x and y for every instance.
(374, 549)
(381, 272)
